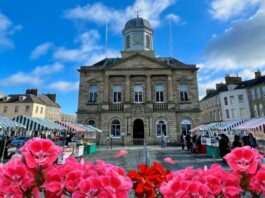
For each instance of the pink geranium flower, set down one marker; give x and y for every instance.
(257, 181)
(169, 160)
(16, 179)
(40, 152)
(121, 153)
(244, 159)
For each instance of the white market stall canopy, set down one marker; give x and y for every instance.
(253, 124)
(90, 128)
(197, 128)
(6, 123)
(228, 125)
(36, 124)
(71, 127)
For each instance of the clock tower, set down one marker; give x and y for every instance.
(138, 37)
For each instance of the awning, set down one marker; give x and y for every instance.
(253, 124)
(36, 124)
(71, 127)
(89, 128)
(6, 123)
(228, 125)
(197, 128)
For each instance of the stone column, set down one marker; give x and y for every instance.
(148, 87)
(127, 89)
(106, 89)
(169, 89)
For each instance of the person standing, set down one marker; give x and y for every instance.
(252, 140)
(182, 141)
(162, 140)
(188, 142)
(237, 142)
(223, 146)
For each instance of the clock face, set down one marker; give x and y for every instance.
(137, 38)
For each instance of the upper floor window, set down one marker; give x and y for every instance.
(258, 92)
(243, 113)
(159, 89)
(261, 110)
(225, 100)
(41, 110)
(27, 109)
(115, 128)
(233, 113)
(116, 93)
(232, 99)
(253, 94)
(16, 109)
(138, 93)
(227, 113)
(240, 99)
(128, 41)
(161, 127)
(92, 93)
(37, 109)
(147, 41)
(184, 92)
(256, 111)
(5, 109)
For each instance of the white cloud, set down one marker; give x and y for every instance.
(175, 19)
(41, 50)
(6, 30)
(88, 44)
(99, 13)
(89, 51)
(241, 45)
(226, 9)
(64, 86)
(34, 78)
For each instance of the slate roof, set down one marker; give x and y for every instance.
(251, 83)
(242, 85)
(216, 92)
(30, 98)
(170, 61)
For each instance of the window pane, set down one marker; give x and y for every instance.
(159, 88)
(184, 87)
(138, 88)
(161, 97)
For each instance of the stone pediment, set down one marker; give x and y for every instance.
(138, 61)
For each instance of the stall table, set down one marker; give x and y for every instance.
(89, 148)
(213, 151)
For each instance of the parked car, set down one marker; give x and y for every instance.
(19, 141)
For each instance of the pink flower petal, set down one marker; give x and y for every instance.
(169, 160)
(121, 153)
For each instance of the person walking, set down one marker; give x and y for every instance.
(162, 140)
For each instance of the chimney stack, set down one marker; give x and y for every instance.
(232, 80)
(32, 91)
(257, 74)
(208, 91)
(219, 85)
(51, 96)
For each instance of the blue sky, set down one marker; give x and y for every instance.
(42, 43)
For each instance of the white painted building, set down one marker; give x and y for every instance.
(235, 104)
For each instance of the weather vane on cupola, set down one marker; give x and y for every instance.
(138, 10)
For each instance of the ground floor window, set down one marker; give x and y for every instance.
(185, 126)
(91, 123)
(161, 127)
(115, 128)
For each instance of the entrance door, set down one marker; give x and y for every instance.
(138, 131)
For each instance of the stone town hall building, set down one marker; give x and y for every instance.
(139, 96)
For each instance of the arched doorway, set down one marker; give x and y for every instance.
(138, 131)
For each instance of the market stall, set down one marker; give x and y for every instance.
(7, 127)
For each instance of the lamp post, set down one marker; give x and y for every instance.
(111, 136)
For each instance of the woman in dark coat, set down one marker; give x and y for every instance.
(237, 142)
(223, 146)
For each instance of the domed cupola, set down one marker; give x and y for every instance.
(138, 36)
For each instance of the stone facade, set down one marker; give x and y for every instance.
(165, 110)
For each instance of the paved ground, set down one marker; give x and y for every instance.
(137, 155)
